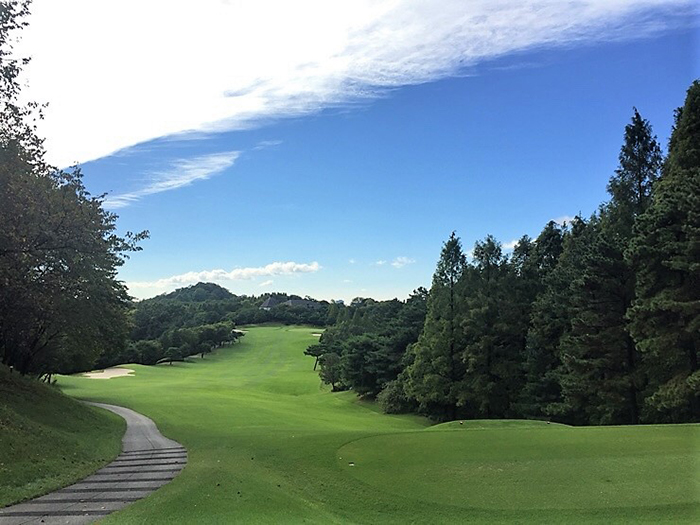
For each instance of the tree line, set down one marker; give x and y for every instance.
(596, 321)
(199, 318)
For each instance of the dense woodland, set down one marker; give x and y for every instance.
(593, 322)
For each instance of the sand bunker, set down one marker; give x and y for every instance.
(109, 373)
(317, 335)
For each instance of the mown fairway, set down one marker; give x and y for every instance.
(268, 444)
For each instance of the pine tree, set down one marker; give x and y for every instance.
(601, 377)
(437, 368)
(602, 374)
(640, 165)
(539, 357)
(665, 253)
(550, 322)
(495, 326)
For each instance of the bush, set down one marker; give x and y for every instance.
(394, 400)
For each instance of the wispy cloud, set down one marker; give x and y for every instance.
(266, 283)
(400, 262)
(381, 262)
(182, 172)
(301, 57)
(351, 261)
(510, 244)
(263, 144)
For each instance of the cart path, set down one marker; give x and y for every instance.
(148, 461)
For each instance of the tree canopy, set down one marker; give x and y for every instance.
(61, 304)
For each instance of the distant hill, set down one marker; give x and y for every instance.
(199, 293)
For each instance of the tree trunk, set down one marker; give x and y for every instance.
(632, 394)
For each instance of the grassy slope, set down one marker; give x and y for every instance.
(268, 444)
(48, 440)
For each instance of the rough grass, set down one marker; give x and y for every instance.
(269, 444)
(48, 440)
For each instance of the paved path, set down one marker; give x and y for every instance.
(148, 461)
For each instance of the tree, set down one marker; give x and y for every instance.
(550, 321)
(639, 167)
(61, 304)
(316, 351)
(665, 253)
(331, 370)
(437, 367)
(600, 377)
(495, 326)
(603, 378)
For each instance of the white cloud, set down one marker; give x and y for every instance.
(263, 144)
(400, 262)
(266, 283)
(510, 244)
(117, 74)
(182, 172)
(347, 280)
(380, 263)
(351, 261)
(563, 219)
(218, 275)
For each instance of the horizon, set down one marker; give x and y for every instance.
(334, 156)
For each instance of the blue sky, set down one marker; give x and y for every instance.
(350, 190)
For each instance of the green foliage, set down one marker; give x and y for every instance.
(640, 165)
(393, 399)
(315, 351)
(371, 338)
(546, 279)
(665, 253)
(495, 324)
(61, 304)
(600, 376)
(330, 371)
(437, 367)
(199, 293)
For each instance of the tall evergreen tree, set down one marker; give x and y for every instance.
(550, 322)
(437, 367)
(665, 253)
(539, 359)
(630, 189)
(603, 378)
(495, 326)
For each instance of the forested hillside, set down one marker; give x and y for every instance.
(593, 322)
(201, 317)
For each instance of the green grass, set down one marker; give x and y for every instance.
(269, 444)
(48, 440)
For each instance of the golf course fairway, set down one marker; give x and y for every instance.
(268, 443)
